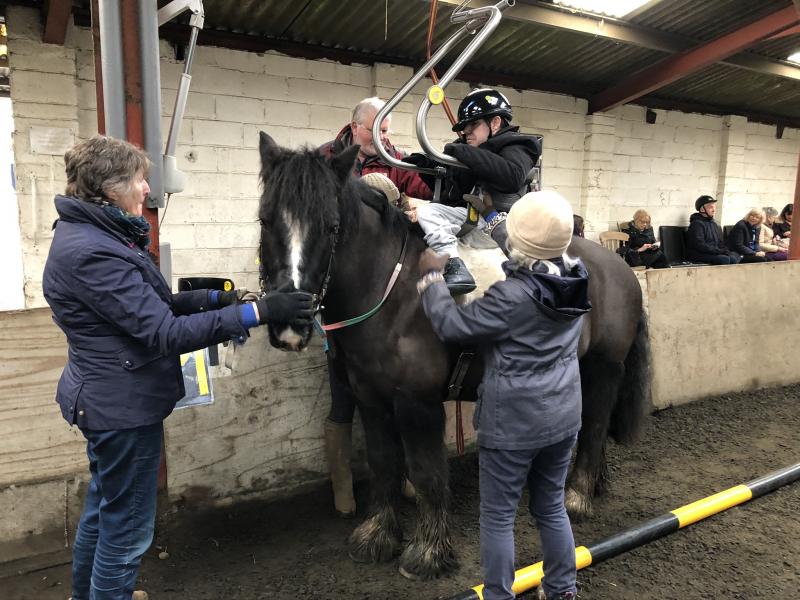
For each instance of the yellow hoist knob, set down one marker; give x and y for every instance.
(228, 285)
(436, 94)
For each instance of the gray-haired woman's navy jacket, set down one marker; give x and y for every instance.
(122, 323)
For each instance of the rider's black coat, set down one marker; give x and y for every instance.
(499, 166)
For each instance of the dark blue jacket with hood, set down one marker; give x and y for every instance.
(527, 327)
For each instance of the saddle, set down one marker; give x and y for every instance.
(484, 260)
(466, 377)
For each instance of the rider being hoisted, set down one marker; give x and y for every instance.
(499, 160)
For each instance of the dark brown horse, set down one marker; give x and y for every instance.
(333, 235)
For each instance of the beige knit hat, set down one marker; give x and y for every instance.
(540, 225)
(382, 183)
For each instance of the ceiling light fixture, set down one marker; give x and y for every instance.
(795, 58)
(609, 8)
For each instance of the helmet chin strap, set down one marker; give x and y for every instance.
(489, 125)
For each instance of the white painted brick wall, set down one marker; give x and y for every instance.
(608, 165)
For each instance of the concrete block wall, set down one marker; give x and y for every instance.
(607, 165)
(662, 167)
(769, 170)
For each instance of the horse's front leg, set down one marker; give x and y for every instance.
(600, 381)
(429, 553)
(379, 537)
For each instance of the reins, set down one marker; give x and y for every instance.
(361, 318)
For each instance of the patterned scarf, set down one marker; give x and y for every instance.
(136, 227)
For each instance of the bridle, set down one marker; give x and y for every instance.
(320, 296)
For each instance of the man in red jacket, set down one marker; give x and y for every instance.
(359, 131)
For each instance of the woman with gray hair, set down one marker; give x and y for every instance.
(743, 238)
(529, 409)
(126, 332)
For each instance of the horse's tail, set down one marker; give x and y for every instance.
(633, 400)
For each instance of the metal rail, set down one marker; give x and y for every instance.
(480, 21)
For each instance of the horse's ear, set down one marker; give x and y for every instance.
(342, 163)
(268, 149)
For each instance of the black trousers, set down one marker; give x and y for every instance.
(752, 258)
(652, 259)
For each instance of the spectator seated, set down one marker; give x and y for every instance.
(642, 249)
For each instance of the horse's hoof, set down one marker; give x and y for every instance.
(374, 541)
(578, 506)
(408, 575)
(425, 563)
(408, 490)
(345, 514)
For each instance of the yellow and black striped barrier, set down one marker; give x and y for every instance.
(531, 576)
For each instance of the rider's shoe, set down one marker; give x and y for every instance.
(457, 277)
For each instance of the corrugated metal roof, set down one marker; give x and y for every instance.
(529, 54)
(736, 89)
(779, 49)
(706, 19)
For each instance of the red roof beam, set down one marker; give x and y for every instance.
(786, 32)
(681, 65)
(57, 21)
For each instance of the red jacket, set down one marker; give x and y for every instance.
(408, 182)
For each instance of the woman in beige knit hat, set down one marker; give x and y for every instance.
(529, 410)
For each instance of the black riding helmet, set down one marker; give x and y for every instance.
(482, 104)
(702, 201)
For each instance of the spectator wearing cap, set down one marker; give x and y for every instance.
(528, 414)
(704, 238)
(743, 238)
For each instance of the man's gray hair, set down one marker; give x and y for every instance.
(368, 106)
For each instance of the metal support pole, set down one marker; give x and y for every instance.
(402, 93)
(455, 69)
(484, 19)
(98, 67)
(794, 241)
(112, 67)
(134, 108)
(151, 99)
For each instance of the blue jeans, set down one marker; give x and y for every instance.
(116, 527)
(503, 474)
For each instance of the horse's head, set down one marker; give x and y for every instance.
(300, 219)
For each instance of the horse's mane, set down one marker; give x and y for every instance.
(302, 185)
